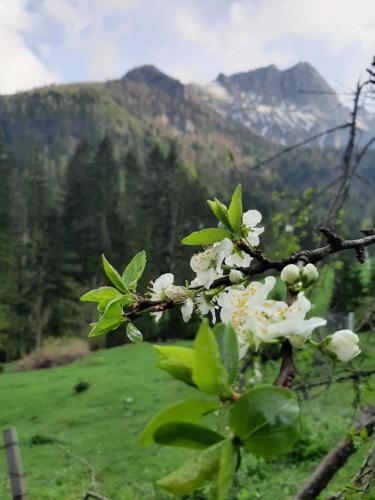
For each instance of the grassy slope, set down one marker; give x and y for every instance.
(103, 427)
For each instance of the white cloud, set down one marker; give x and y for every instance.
(20, 68)
(84, 32)
(248, 35)
(190, 39)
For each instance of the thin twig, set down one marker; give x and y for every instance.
(299, 144)
(93, 484)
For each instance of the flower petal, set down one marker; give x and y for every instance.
(251, 218)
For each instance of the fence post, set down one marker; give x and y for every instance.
(13, 454)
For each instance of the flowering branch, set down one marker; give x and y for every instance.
(249, 320)
(260, 264)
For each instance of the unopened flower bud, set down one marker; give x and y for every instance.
(310, 273)
(290, 274)
(235, 276)
(343, 344)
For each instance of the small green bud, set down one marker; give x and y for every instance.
(235, 276)
(290, 274)
(310, 274)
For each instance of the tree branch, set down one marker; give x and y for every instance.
(299, 144)
(363, 481)
(355, 375)
(336, 458)
(261, 264)
(287, 368)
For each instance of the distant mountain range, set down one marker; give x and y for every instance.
(284, 106)
(251, 113)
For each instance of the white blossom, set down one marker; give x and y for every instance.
(344, 344)
(208, 264)
(163, 288)
(293, 325)
(258, 320)
(238, 259)
(250, 220)
(187, 309)
(205, 306)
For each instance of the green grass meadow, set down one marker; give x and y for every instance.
(102, 426)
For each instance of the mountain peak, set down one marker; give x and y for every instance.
(300, 84)
(153, 77)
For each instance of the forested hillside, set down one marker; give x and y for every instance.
(115, 168)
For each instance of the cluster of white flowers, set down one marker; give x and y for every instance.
(255, 318)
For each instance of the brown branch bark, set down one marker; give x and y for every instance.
(287, 368)
(336, 458)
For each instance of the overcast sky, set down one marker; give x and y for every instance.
(52, 41)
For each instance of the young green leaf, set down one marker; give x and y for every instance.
(178, 361)
(113, 275)
(205, 236)
(221, 212)
(228, 346)
(134, 270)
(107, 322)
(191, 410)
(267, 420)
(112, 316)
(235, 209)
(208, 371)
(186, 435)
(118, 303)
(100, 294)
(133, 334)
(227, 468)
(195, 473)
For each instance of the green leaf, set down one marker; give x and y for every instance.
(133, 334)
(267, 420)
(208, 372)
(113, 275)
(134, 270)
(100, 294)
(191, 410)
(205, 236)
(227, 468)
(194, 473)
(221, 212)
(118, 303)
(107, 323)
(235, 209)
(186, 435)
(178, 361)
(112, 316)
(228, 347)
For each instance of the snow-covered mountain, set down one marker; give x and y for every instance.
(285, 106)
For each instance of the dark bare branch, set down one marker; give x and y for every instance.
(336, 458)
(354, 375)
(299, 144)
(363, 481)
